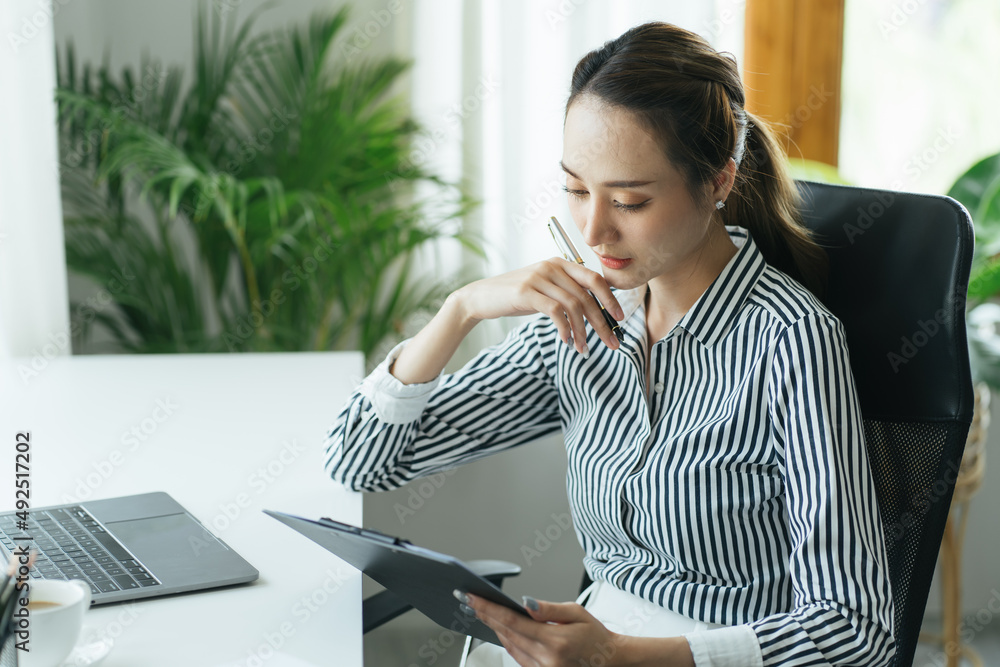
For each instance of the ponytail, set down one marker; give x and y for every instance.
(765, 200)
(691, 97)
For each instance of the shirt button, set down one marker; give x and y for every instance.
(658, 387)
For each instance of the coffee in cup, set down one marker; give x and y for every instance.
(54, 620)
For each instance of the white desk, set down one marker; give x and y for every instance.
(226, 436)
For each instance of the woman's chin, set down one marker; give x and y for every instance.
(622, 281)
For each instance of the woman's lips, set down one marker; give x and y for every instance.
(614, 262)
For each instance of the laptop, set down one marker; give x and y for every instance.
(126, 548)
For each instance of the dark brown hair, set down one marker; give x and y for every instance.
(691, 97)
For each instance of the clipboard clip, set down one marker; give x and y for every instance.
(369, 533)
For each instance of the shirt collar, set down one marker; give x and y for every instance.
(711, 315)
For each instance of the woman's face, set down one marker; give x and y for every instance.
(632, 206)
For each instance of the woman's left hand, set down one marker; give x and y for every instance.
(556, 633)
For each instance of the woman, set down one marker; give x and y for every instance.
(717, 472)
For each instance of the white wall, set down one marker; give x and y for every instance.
(34, 319)
(165, 30)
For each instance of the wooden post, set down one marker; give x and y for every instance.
(791, 68)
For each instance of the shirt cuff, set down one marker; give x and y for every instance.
(735, 646)
(395, 402)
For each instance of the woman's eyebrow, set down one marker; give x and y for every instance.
(608, 184)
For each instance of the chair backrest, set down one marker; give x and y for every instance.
(899, 272)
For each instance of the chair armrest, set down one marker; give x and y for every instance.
(494, 571)
(386, 605)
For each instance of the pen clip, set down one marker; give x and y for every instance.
(563, 242)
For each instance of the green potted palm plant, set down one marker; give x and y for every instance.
(978, 189)
(263, 200)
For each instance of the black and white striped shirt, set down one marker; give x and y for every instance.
(735, 491)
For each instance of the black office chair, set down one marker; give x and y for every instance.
(899, 271)
(899, 274)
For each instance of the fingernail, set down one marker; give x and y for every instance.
(619, 314)
(586, 351)
(530, 602)
(460, 596)
(467, 610)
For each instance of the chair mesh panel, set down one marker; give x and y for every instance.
(914, 466)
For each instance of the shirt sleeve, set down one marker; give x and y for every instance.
(390, 433)
(725, 647)
(841, 607)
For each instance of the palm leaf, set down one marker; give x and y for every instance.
(275, 155)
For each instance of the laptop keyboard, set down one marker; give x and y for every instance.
(71, 544)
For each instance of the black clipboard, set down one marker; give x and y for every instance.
(421, 577)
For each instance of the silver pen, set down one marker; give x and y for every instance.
(568, 251)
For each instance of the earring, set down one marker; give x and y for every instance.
(719, 204)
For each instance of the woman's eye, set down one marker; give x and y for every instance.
(626, 208)
(629, 208)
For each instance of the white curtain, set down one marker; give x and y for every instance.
(491, 80)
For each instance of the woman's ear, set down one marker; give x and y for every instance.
(722, 184)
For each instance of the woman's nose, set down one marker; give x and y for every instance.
(598, 228)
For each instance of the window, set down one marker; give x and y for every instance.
(919, 91)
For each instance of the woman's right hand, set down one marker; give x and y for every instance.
(555, 287)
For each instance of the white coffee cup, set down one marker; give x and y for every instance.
(54, 630)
